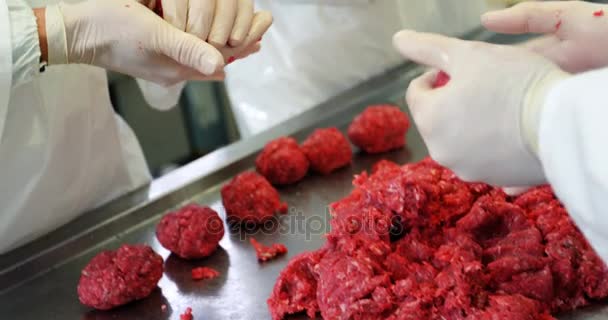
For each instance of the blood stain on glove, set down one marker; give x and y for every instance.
(558, 25)
(265, 253)
(327, 150)
(115, 278)
(282, 162)
(441, 80)
(192, 232)
(250, 198)
(187, 315)
(599, 13)
(468, 251)
(379, 128)
(204, 273)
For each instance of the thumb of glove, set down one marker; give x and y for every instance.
(190, 51)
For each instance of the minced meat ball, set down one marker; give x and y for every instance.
(250, 198)
(379, 129)
(115, 278)
(192, 232)
(282, 162)
(327, 150)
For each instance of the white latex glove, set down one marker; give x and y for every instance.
(576, 31)
(124, 36)
(483, 123)
(232, 26)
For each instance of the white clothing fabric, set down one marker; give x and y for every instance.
(63, 150)
(574, 153)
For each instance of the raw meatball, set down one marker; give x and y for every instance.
(115, 278)
(192, 232)
(379, 129)
(250, 198)
(327, 150)
(282, 162)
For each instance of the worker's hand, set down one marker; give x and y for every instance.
(124, 36)
(483, 123)
(231, 26)
(575, 31)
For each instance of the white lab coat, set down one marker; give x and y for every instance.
(63, 150)
(319, 48)
(573, 148)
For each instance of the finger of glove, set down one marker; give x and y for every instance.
(428, 49)
(192, 52)
(200, 17)
(223, 21)
(242, 23)
(261, 22)
(252, 49)
(175, 12)
(420, 100)
(527, 17)
(246, 52)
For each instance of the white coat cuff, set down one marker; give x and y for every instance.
(25, 44)
(534, 103)
(56, 36)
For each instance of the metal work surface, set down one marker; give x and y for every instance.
(39, 281)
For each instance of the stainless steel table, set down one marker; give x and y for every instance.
(39, 280)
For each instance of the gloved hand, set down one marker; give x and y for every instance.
(483, 123)
(232, 26)
(576, 31)
(124, 36)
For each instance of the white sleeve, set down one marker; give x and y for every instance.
(159, 97)
(6, 63)
(573, 147)
(24, 42)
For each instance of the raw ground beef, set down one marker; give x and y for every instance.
(282, 162)
(265, 253)
(415, 242)
(327, 150)
(187, 315)
(250, 198)
(441, 80)
(204, 273)
(192, 232)
(379, 129)
(115, 278)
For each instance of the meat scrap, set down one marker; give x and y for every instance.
(204, 273)
(416, 242)
(187, 315)
(598, 13)
(265, 253)
(441, 80)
